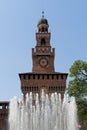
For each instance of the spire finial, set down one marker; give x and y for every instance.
(42, 14)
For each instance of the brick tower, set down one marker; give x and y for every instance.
(43, 75)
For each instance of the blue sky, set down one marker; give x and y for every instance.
(18, 25)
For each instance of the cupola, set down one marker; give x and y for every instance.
(43, 25)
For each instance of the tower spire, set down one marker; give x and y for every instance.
(42, 14)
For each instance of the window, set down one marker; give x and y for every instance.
(47, 76)
(42, 29)
(43, 42)
(52, 76)
(38, 76)
(42, 76)
(28, 76)
(46, 30)
(61, 76)
(33, 76)
(39, 30)
(57, 76)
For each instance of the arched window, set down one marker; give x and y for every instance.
(43, 42)
(42, 29)
(46, 30)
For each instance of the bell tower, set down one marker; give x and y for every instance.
(43, 75)
(43, 54)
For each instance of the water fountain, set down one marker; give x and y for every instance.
(47, 113)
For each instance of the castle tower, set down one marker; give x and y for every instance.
(43, 54)
(43, 75)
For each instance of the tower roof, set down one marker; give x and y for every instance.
(43, 21)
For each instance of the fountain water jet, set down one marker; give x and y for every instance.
(47, 113)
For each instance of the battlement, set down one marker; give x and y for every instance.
(4, 108)
(43, 51)
(50, 82)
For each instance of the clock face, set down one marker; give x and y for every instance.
(43, 62)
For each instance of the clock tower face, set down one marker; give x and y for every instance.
(43, 62)
(43, 54)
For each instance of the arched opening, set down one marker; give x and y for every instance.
(46, 30)
(43, 42)
(42, 29)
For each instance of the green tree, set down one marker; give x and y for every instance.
(77, 87)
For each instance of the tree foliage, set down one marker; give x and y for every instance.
(78, 87)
